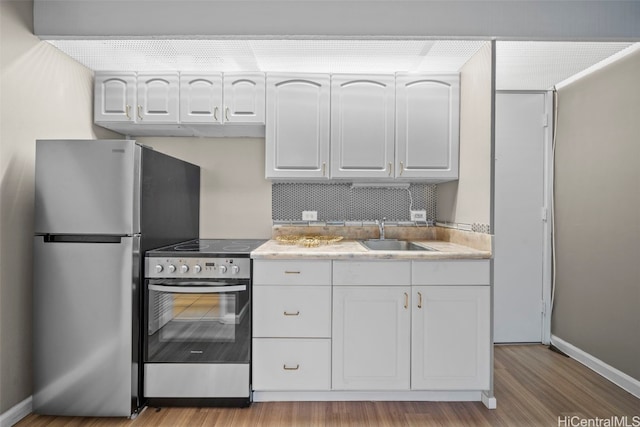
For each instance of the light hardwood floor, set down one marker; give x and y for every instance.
(533, 385)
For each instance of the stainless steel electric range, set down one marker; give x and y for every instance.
(197, 346)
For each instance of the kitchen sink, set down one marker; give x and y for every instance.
(393, 245)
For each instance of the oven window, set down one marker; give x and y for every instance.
(198, 327)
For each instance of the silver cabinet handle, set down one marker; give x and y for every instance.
(401, 168)
(139, 112)
(295, 368)
(287, 313)
(419, 300)
(226, 114)
(291, 272)
(324, 168)
(215, 114)
(128, 111)
(390, 168)
(406, 300)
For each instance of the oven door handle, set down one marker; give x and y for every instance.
(197, 289)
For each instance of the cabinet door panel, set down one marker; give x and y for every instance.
(244, 98)
(451, 338)
(201, 98)
(158, 98)
(371, 338)
(362, 126)
(427, 113)
(115, 97)
(298, 126)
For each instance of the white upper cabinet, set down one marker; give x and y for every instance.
(297, 127)
(244, 97)
(115, 97)
(362, 126)
(201, 98)
(158, 98)
(427, 126)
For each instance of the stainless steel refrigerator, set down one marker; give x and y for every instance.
(99, 205)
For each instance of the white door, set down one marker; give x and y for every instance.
(451, 343)
(427, 126)
(519, 226)
(158, 98)
(244, 98)
(362, 126)
(297, 130)
(115, 97)
(371, 337)
(201, 97)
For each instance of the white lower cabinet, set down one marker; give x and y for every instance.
(451, 341)
(385, 326)
(291, 325)
(371, 337)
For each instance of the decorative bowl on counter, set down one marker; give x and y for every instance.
(308, 241)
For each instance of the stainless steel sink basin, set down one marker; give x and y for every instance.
(393, 245)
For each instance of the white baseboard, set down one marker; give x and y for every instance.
(322, 396)
(489, 401)
(18, 412)
(614, 375)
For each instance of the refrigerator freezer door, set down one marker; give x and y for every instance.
(83, 304)
(87, 187)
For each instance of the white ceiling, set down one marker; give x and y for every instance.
(520, 65)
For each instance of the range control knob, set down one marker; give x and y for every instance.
(235, 269)
(184, 268)
(197, 268)
(159, 268)
(223, 269)
(171, 268)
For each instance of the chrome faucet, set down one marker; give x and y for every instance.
(381, 227)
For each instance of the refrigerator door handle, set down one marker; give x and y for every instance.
(80, 238)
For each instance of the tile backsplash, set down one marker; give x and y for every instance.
(345, 202)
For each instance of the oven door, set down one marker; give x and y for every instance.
(198, 322)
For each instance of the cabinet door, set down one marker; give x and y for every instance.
(114, 97)
(201, 98)
(244, 98)
(362, 126)
(427, 126)
(451, 342)
(371, 338)
(297, 137)
(157, 98)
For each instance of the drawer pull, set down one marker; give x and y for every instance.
(291, 272)
(406, 300)
(286, 368)
(287, 313)
(419, 300)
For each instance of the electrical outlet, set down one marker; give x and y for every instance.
(309, 215)
(419, 216)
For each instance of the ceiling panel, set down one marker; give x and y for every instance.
(538, 65)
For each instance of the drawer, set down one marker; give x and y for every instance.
(291, 364)
(454, 272)
(292, 311)
(269, 272)
(371, 273)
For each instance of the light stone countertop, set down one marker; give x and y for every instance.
(351, 249)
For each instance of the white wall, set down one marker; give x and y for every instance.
(43, 94)
(235, 198)
(468, 200)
